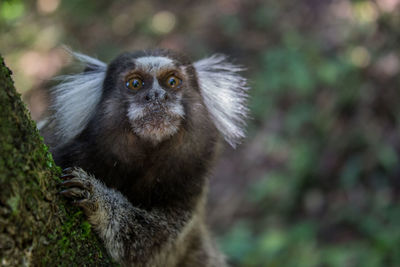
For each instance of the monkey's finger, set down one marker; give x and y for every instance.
(85, 203)
(67, 170)
(74, 192)
(79, 202)
(67, 176)
(75, 182)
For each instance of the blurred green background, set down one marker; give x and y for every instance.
(317, 181)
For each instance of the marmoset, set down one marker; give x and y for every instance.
(137, 138)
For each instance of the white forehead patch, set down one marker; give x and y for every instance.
(153, 64)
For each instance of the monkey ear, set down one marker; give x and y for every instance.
(75, 98)
(224, 93)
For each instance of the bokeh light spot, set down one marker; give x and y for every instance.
(163, 22)
(365, 12)
(48, 38)
(388, 5)
(360, 56)
(47, 6)
(388, 65)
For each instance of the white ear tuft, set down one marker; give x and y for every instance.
(225, 94)
(76, 97)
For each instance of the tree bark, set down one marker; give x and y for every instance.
(37, 227)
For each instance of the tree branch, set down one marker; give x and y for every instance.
(37, 228)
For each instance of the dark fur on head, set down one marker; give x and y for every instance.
(156, 144)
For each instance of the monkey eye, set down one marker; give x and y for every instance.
(173, 82)
(134, 83)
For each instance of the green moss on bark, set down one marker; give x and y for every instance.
(37, 228)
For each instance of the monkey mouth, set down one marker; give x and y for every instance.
(156, 123)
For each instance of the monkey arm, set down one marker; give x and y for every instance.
(132, 236)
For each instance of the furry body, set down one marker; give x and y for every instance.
(141, 157)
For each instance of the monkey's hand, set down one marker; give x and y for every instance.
(82, 189)
(132, 236)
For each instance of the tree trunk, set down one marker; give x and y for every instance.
(37, 227)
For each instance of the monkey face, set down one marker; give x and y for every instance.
(150, 95)
(151, 88)
(154, 105)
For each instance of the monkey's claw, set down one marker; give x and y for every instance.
(67, 170)
(78, 187)
(75, 182)
(67, 173)
(66, 176)
(75, 193)
(88, 205)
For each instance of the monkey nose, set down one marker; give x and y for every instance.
(158, 94)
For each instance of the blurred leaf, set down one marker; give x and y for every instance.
(302, 158)
(238, 242)
(288, 69)
(388, 157)
(11, 10)
(272, 186)
(231, 24)
(329, 72)
(272, 241)
(351, 172)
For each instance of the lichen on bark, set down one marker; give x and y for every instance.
(37, 227)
